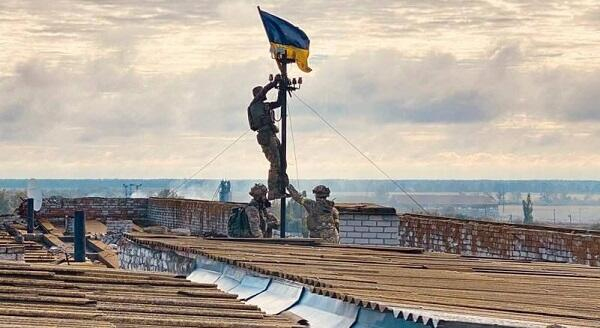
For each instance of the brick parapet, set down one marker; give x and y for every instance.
(95, 207)
(506, 241)
(199, 216)
(133, 256)
(369, 229)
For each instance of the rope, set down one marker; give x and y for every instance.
(216, 191)
(294, 148)
(185, 181)
(360, 152)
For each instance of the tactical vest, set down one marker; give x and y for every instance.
(259, 116)
(321, 217)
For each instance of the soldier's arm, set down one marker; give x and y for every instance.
(254, 221)
(295, 194)
(279, 101)
(272, 220)
(308, 204)
(336, 218)
(263, 93)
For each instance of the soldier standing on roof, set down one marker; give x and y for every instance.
(260, 219)
(262, 119)
(323, 218)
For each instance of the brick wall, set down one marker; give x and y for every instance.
(133, 256)
(12, 253)
(200, 216)
(368, 224)
(115, 229)
(95, 207)
(118, 226)
(499, 240)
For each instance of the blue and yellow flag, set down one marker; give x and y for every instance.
(285, 37)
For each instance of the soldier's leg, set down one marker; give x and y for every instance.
(254, 222)
(276, 144)
(271, 148)
(273, 184)
(334, 237)
(331, 236)
(276, 185)
(327, 235)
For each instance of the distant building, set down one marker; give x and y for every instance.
(456, 205)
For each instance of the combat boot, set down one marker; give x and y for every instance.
(273, 182)
(276, 185)
(276, 194)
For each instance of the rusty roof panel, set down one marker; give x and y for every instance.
(58, 296)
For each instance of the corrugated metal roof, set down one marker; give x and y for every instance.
(32, 251)
(70, 296)
(443, 285)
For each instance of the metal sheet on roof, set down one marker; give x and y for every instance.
(278, 297)
(325, 312)
(250, 286)
(415, 315)
(207, 271)
(232, 276)
(368, 318)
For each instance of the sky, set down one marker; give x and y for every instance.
(427, 89)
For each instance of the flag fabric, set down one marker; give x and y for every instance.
(285, 37)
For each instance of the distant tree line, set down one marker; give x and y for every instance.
(114, 187)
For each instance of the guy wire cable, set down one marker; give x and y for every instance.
(216, 192)
(185, 181)
(294, 147)
(360, 152)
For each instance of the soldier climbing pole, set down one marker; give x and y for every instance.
(289, 44)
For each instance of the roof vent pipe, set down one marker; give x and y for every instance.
(79, 236)
(30, 215)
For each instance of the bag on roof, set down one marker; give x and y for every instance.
(238, 225)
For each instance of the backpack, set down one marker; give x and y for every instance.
(238, 225)
(259, 115)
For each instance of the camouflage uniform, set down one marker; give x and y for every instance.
(260, 118)
(260, 219)
(323, 218)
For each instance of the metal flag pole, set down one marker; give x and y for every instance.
(288, 86)
(283, 151)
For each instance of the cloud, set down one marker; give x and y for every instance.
(120, 88)
(110, 98)
(382, 87)
(572, 94)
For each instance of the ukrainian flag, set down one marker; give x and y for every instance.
(285, 37)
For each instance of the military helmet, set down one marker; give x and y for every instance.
(259, 189)
(321, 191)
(256, 90)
